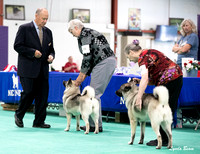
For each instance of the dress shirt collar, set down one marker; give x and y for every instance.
(36, 27)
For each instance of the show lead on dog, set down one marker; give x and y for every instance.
(98, 60)
(156, 69)
(34, 44)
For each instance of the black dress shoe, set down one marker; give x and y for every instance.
(92, 129)
(155, 143)
(42, 126)
(18, 122)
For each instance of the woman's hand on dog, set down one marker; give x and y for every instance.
(138, 103)
(78, 83)
(80, 79)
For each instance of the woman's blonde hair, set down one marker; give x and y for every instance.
(75, 23)
(134, 46)
(194, 30)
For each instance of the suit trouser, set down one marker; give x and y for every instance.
(34, 89)
(174, 88)
(100, 77)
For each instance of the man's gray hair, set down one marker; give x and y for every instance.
(75, 23)
(39, 10)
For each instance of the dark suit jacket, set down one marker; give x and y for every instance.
(26, 43)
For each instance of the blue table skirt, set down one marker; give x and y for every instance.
(10, 89)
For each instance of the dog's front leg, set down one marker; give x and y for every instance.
(78, 123)
(142, 126)
(133, 130)
(69, 116)
(133, 124)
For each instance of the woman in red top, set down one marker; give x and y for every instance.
(156, 69)
(70, 66)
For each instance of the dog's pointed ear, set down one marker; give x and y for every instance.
(69, 82)
(131, 80)
(136, 80)
(64, 83)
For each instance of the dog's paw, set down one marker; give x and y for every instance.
(66, 130)
(169, 146)
(78, 129)
(158, 147)
(96, 132)
(141, 142)
(86, 132)
(130, 143)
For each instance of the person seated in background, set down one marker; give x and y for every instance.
(187, 46)
(70, 66)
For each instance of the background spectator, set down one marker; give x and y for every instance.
(187, 46)
(70, 66)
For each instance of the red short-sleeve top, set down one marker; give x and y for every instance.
(160, 68)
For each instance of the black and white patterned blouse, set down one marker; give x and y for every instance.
(94, 47)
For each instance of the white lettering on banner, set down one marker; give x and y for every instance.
(14, 92)
(122, 100)
(15, 81)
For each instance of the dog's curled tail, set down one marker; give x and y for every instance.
(89, 91)
(162, 94)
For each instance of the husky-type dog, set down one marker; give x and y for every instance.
(84, 104)
(155, 106)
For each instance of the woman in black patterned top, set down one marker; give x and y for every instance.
(98, 61)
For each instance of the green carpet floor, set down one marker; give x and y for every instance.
(114, 139)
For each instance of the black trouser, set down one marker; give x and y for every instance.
(34, 89)
(174, 88)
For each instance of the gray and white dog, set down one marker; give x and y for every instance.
(84, 104)
(153, 106)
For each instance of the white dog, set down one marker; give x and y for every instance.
(77, 104)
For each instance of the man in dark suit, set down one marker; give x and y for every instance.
(34, 44)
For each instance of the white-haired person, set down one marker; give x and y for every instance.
(187, 46)
(98, 61)
(156, 69)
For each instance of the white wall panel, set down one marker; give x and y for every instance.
(153, 12)
(60, 10)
